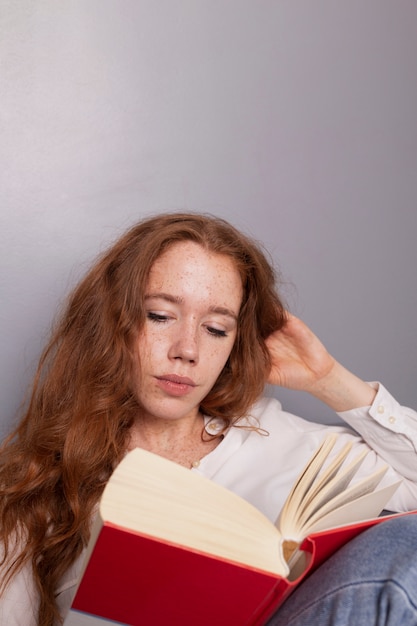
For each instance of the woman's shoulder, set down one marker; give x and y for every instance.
(268, 414)
(268, 410)
(265, 405)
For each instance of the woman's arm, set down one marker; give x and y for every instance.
(19, 600)
(300, 361)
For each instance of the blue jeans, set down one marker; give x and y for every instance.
(371, 581)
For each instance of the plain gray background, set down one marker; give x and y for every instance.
(295, 120)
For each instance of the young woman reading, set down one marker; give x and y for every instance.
(167, 344)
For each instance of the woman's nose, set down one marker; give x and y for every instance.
(184, 344)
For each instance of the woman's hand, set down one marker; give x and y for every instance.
(300, 361)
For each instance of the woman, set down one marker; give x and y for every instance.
(167, 344)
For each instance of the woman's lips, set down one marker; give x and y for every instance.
(175, 385)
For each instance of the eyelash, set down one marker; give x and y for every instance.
(216, 332)
(161, 319)
(156, 317)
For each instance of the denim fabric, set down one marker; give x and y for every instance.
(371, 581)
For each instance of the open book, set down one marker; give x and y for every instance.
(170, 546)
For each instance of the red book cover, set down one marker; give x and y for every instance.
(138, 580)
(135, 579)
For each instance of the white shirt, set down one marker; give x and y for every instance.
(263, 468)
(262, 465)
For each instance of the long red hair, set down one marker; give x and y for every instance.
(55, 464)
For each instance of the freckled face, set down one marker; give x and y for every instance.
(192, 303)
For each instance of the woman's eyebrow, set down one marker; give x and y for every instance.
(219, 310)
(164, 296)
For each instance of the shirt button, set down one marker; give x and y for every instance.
(380, 409)
(392, 420)
(213, 427)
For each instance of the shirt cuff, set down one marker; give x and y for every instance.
(386, 412)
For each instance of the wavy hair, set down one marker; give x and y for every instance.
(75, 429)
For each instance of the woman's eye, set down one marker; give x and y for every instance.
(157, 317)
(216, 332)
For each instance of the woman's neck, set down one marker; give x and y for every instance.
(182, 441)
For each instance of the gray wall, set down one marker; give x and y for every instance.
(294, 120)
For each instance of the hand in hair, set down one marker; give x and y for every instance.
(300, 361)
